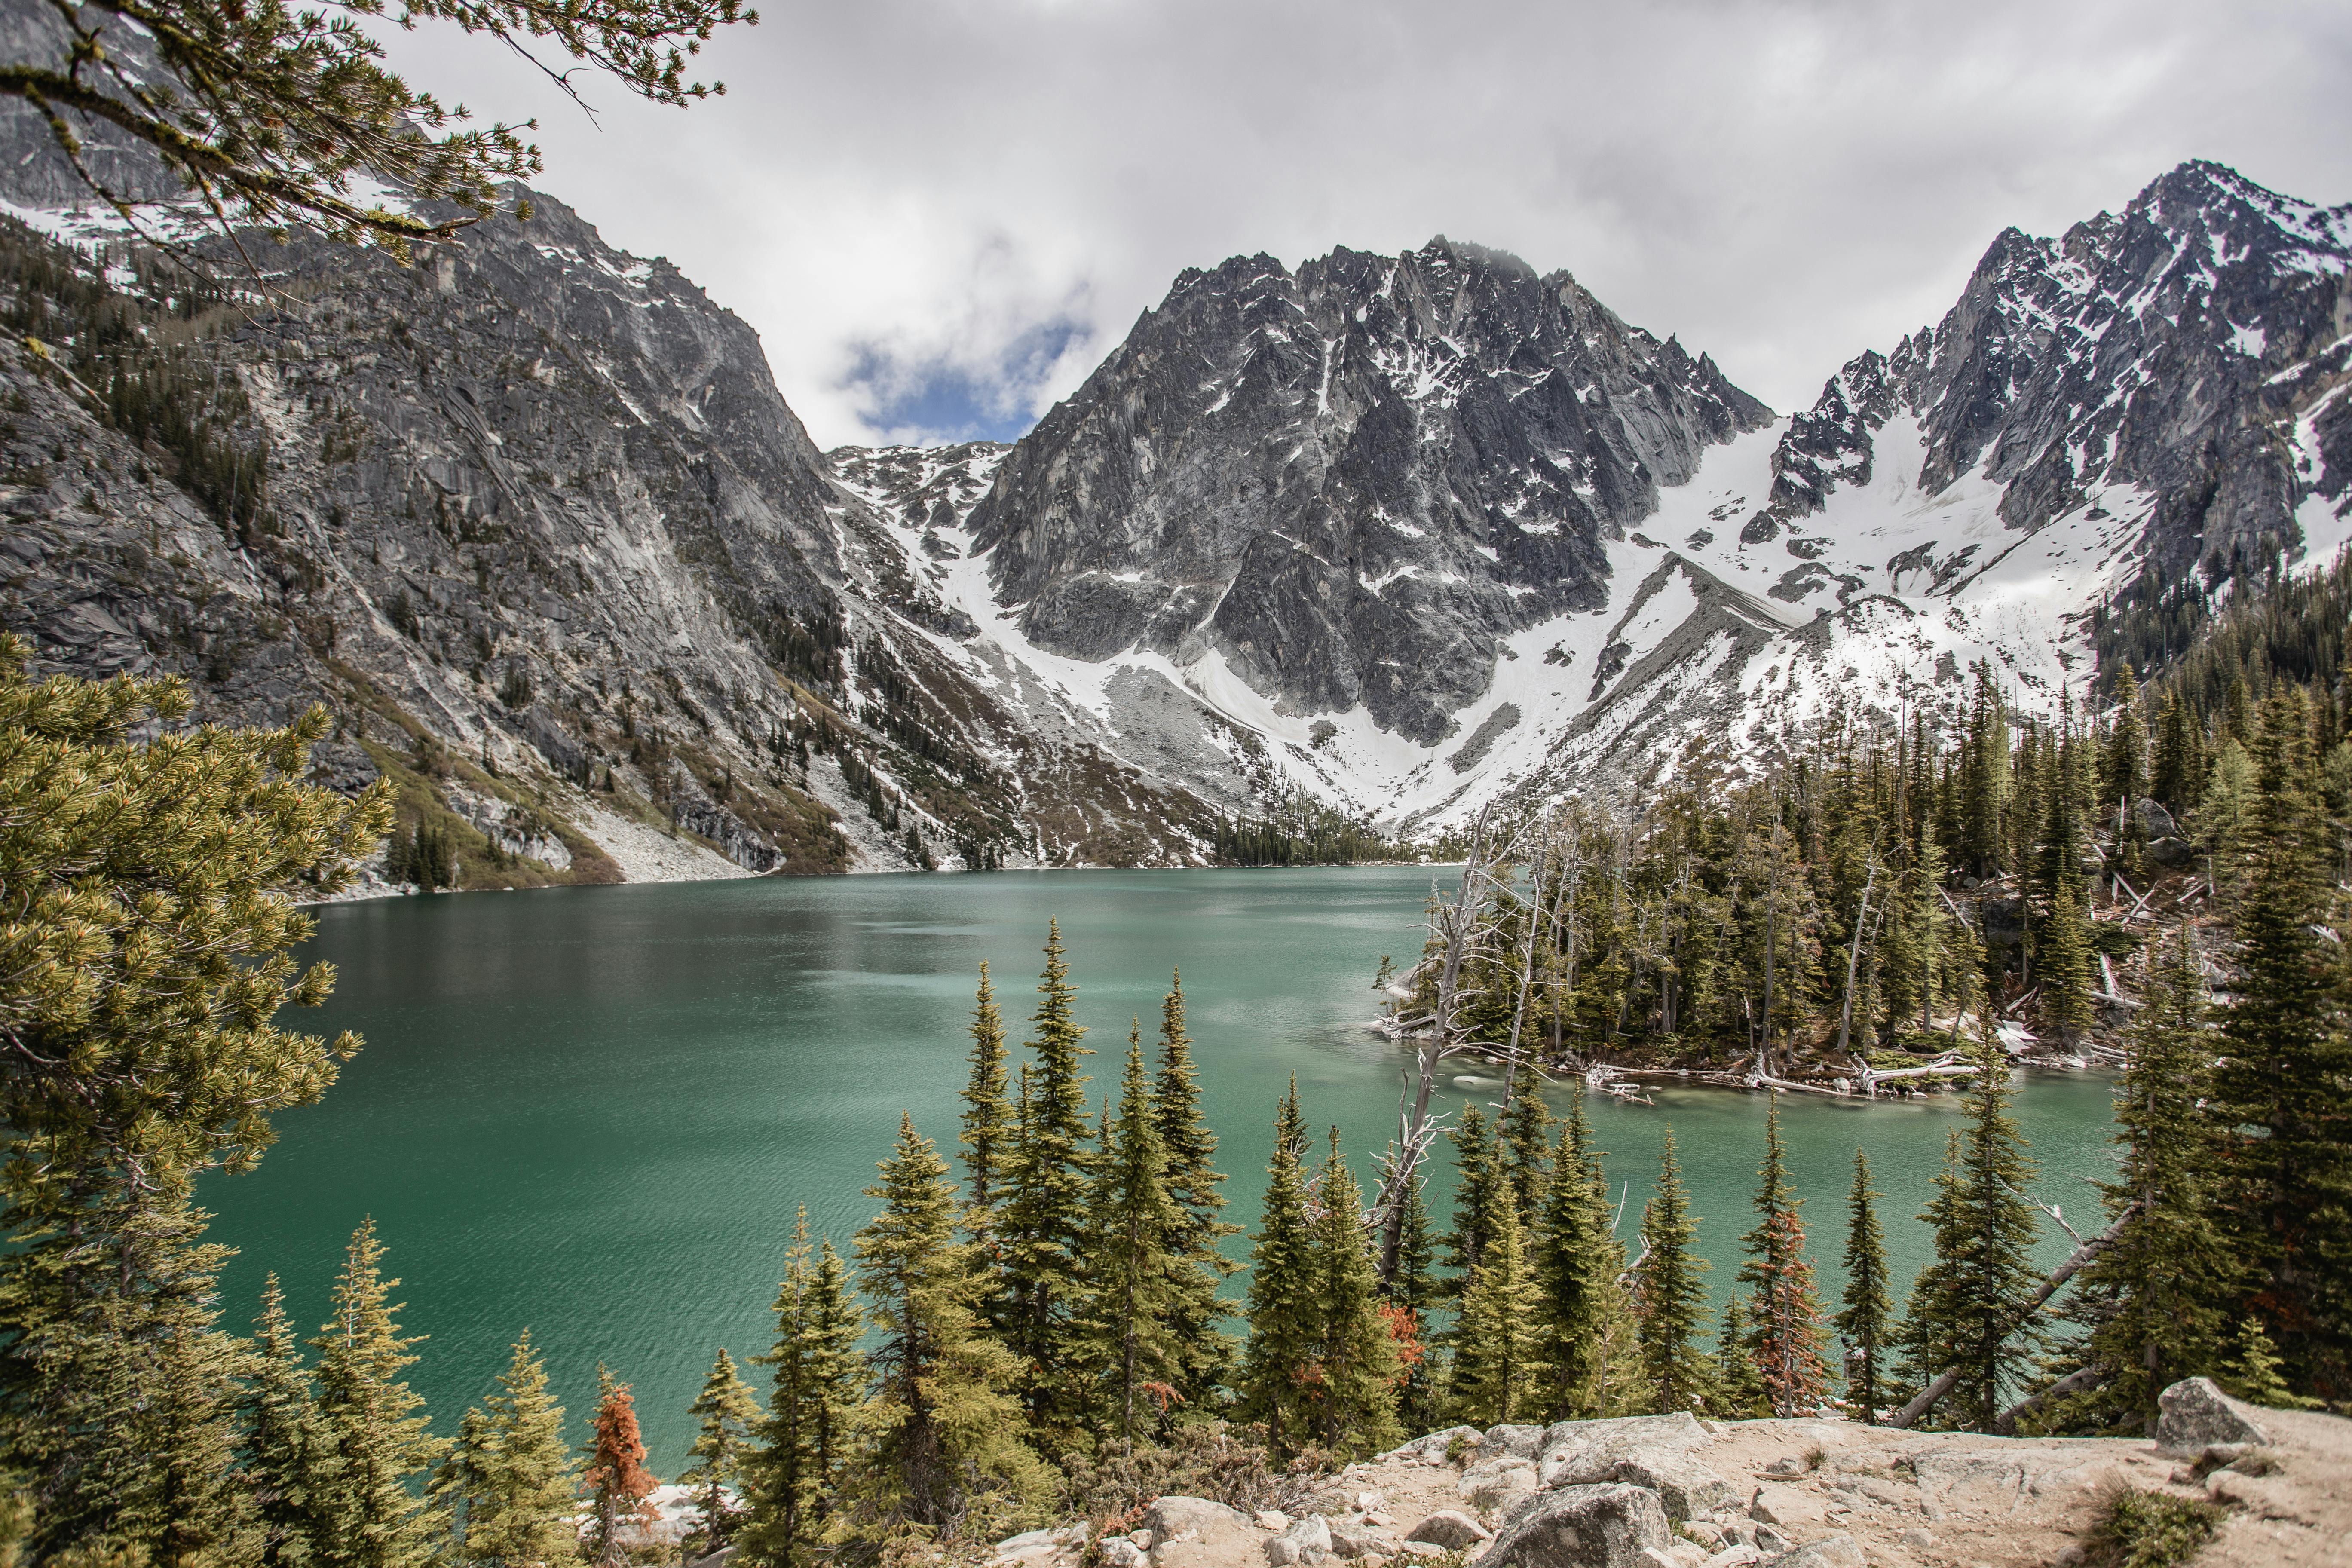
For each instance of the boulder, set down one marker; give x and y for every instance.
(1432, 1449)
(2154, 820)
(1169, 1517)
(1830, 1552)
(1519, 1442)
(1193, 1532)
(1495, 1483)
(1352, 1541)
(1787, 1507)
(1449, 1529)
(1685, 1488)
(1312, 1533)
(1579, 1453)
(1610, 1526)
(1118, 1552)
(1281, 1552)
(2175, 852)
(2194, 1415)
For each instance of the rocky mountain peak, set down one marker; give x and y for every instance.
(1343, 484)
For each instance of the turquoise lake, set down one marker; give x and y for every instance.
(592, 1112)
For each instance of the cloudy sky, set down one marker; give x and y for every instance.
(941, 214)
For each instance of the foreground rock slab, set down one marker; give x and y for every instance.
(1612, 1525)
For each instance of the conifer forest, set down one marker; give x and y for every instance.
(1053, 1308)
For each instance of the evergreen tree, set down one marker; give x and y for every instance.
(1521, 1134)
(2061, 952)
(1785, 1311)
(524, 1513)
(1133, 1272)
(1413, 1291)
(1966, 1309)
(987, 1117)
(2158, 1296)
(1477, 1171)
(2286, 1057)
(727, 1415)
(1045, 1217)
(1203, 1353)
(1356, 1368)
(283, 1453)
(1868, 1301)
(1589, 1338)
(1739, 1393)
(818, 1381)
(1283, 1316)
(942, 1434)
(1672, 1301)
(616, 1478)
(1498, 1368)
(2123, 773)
(376, 1424)
(2179, 776)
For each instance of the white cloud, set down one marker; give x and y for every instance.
(906, 198)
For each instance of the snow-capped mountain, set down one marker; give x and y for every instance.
(1414, 533)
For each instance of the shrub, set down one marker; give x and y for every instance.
(2153, 1530)
(1210, 1460)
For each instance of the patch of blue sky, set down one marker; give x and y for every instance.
(944, 397)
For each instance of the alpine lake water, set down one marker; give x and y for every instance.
(593, 1112)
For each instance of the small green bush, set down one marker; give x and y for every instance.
(2153, 1529)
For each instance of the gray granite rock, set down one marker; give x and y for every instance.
(2194, 1415)
(1607, 1526)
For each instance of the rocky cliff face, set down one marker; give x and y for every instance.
(1415, 533)
(1347, 482)
(532, 519)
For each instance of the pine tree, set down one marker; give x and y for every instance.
(616, 1478)
(2160, 1296)
(1281, 1307)
(1412, 1290)
(2062, 953)
(1133, 1270)
(727, 1415)
(118, 1393)
(1587, 1319)
(376, 1424)
(818, 1380)
(2179, 776)
(1045, 1217)
(2286, 1055)
(1966, 1309)
(1498, 1366)
(523, 1511)
(1203, 1353)
(283, 1453)
(1739, 1393)
(1355, 1367)
(1521, 1134)
(987, 1117)
(1476, 1173)
(1672, 1301)
(942, 1434)
(2123, 772)
(1868, 1301)
(1785, 1311)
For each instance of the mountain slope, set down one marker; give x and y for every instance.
(1413, 534)
(533, 519)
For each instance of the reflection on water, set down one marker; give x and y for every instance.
(592, 1112)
